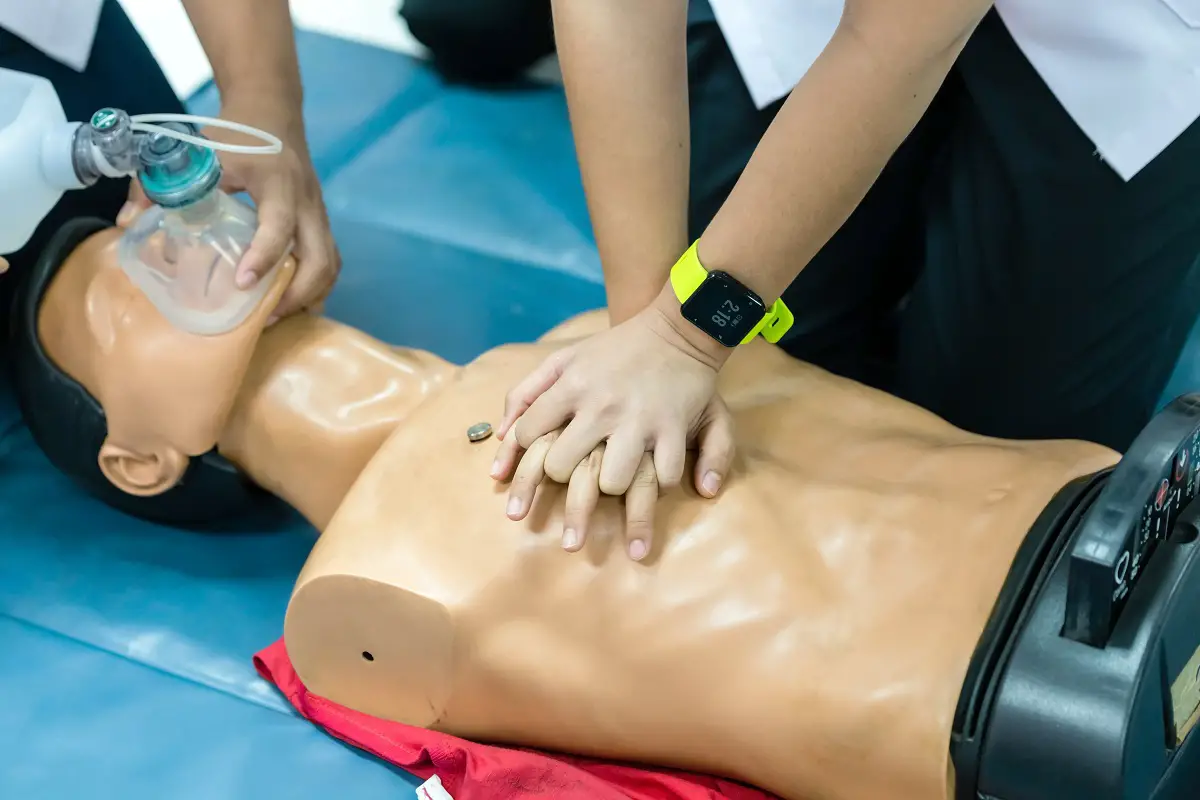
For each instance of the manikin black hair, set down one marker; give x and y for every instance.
(68, 424)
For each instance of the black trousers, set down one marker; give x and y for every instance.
(121, 73)
(998, 273)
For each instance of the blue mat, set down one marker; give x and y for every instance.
(126, 646)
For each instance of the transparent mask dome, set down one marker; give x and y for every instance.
(184, 260)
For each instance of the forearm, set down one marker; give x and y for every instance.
(251, 46)
(624, 64)
(830, 141)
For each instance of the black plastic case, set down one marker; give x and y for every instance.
(1069, 695)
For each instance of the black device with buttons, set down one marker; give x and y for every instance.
(1086, 682)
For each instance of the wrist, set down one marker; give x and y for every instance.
(628, 302)
(270, 114)
(683, 334)
(281, 105)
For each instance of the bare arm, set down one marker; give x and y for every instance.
(252, 48)
(831, 139)
(624, 64)
(251, 45)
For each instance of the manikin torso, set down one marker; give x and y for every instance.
(807, 631)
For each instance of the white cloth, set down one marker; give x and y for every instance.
(62, 29)
(1127, 71)
(774, 42)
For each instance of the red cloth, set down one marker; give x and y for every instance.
(472, 771)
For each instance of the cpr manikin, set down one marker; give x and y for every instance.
(807, 632)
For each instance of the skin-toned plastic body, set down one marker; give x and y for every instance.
(808, 631)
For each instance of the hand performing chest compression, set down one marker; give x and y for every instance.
(616, 414)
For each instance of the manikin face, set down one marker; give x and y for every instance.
(166, 393)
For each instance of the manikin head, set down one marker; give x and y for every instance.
(124, 403)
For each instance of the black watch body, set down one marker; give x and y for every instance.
(724, 308)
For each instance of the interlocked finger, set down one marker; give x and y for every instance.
(640, 502)
(583, 493)
(529, 475)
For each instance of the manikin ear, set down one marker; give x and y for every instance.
(142, 474)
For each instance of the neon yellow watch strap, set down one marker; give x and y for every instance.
(687, 274)
(686, 277)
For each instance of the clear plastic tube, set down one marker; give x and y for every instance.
(273, 146)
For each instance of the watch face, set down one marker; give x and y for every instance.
(724, 309)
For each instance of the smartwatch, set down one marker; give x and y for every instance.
(723, 307)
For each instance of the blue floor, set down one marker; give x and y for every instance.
(125, 647)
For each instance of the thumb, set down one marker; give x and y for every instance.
(716, 443)
(134, 205)
(272, 241)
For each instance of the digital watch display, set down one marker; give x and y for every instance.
(724, 308)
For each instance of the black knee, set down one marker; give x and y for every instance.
(482, 41)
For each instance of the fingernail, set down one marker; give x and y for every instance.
(127, 212)
(245, 280)
(570, 539)
(711, 483)
(514, 506)
(637, 549)
(495, 473)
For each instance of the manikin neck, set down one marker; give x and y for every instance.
(318, 400)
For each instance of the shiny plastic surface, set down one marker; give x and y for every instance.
(127, 646)
(1054, 735)
(185, 260)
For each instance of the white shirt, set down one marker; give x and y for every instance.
(62, 29)
(1127, 71)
